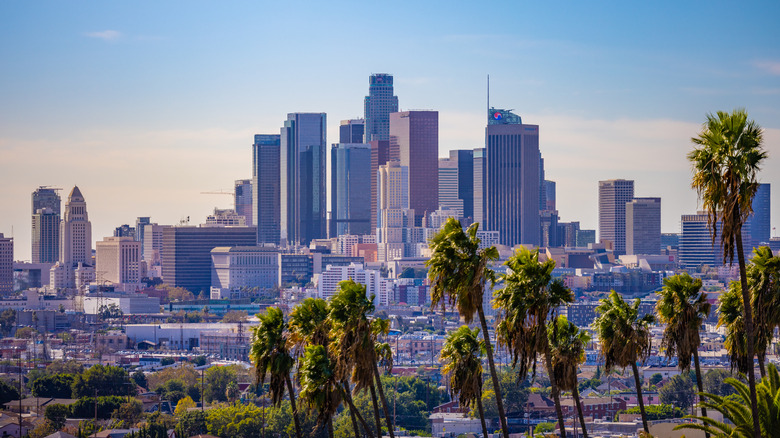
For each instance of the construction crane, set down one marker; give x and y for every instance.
(221, 192)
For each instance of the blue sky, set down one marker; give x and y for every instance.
(146, 104)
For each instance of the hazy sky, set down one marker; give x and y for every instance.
(146, 104)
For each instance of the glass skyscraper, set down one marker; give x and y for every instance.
(265, 179)
(378, 105)
(350, 201)
(45, 225)
(302, 178)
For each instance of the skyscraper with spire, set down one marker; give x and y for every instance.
(74, 267)
(378, 105)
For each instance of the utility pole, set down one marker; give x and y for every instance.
(19, 365)
(203, 394)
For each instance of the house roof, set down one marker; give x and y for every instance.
(60, 434)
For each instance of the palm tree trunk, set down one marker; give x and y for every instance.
(294, 408)
(748, 330)
(377, 420)
(700, 385)
(639, 397)
(482, 416)
(554, 391)
(493, 374)
(761, 363)
(576, 394)
(348, 398)
(330, 427)
(381, 390)
(355, 427)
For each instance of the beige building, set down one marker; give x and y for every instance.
(118, 260)
(74, 268)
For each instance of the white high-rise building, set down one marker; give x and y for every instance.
(74, 268)
(328, 282)
(448, 187)
(396, 219)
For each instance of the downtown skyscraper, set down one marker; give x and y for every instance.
(378, 105)
(45, 225)
(512, 181)
(613, 196)
(302, 178)
(265, 179)
(414, 142)
(350, 200)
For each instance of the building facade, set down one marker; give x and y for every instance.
(118, 260)
(613, 196)
(240, 267)
(396, 219)
(45, 225)
(448, 187)
(302, 178)
(512, 179)
(643, 226)
(414, 142)
(186, 253)
(350, 203)
(757, 228)
(697, 247)
(378, 105)
(74, 267)
(352, 131)
(6, 264)
(266, 203)
(380, 155)
(242, 199)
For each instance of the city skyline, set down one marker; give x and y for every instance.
(614, 98)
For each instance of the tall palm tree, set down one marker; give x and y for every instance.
(354, 341)
(683, 307)
(567, 348)
(731, 315)
(270, 353)
(726, 160)
(458, 270)
(524, 304)
(462, 359)
(763, 274)
(383, 355)
(320, 388)
(624, 338)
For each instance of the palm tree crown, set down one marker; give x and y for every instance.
(683, 308)
(461, 355)
(624, 336)
(567, 346)
(270, 353)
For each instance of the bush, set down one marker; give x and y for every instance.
(657, 412)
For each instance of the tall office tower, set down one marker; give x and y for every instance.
(550, 231)
(512, 179)
(350, 202)
(479, 187)
(465, 160)
(569, 233)
(45, 236)
(124, 231)
(414, 142)
(448, 187)
(265, 179)
(549, 195)
(302, 176)
(352, 131)
(118, 259)
(613, 196)
(696, 245)
(74, 267)
(378, 105)
(6, 264)
(140, 228)
(395, 216)
(242, 199)
(186, 253)
(380, 155)
(542, 186)
(757, 229)
(45, 225)
(643, 226)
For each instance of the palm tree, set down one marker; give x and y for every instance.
(731, 315)
(740, 418)
(383, 357)
(320, 388)
(726, 160)
(462, 359)
(683, 308)
(624, 337)
(354, 341)
(458, 270)
(270, 353)
(567, 348)
(524, 304)
(764, 281)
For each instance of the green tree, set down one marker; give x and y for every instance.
(678, 391)
(714, 382)
(726, 160)
(130, 412)
(139, 378)
(26, 333)
(624, 338)
(217, 381)
(461, 356)
(103, 380)
(458, 270)
(54, 386)
(56, 414)
(683, 307)
(183, 405)
(524, 304)
(567, 348)
(59, 366)
(8, 392)
(85, 407)
(656, 379)
(763, 275)
(192, 423)
(657, 412)
(7, 321)
(271, 356)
